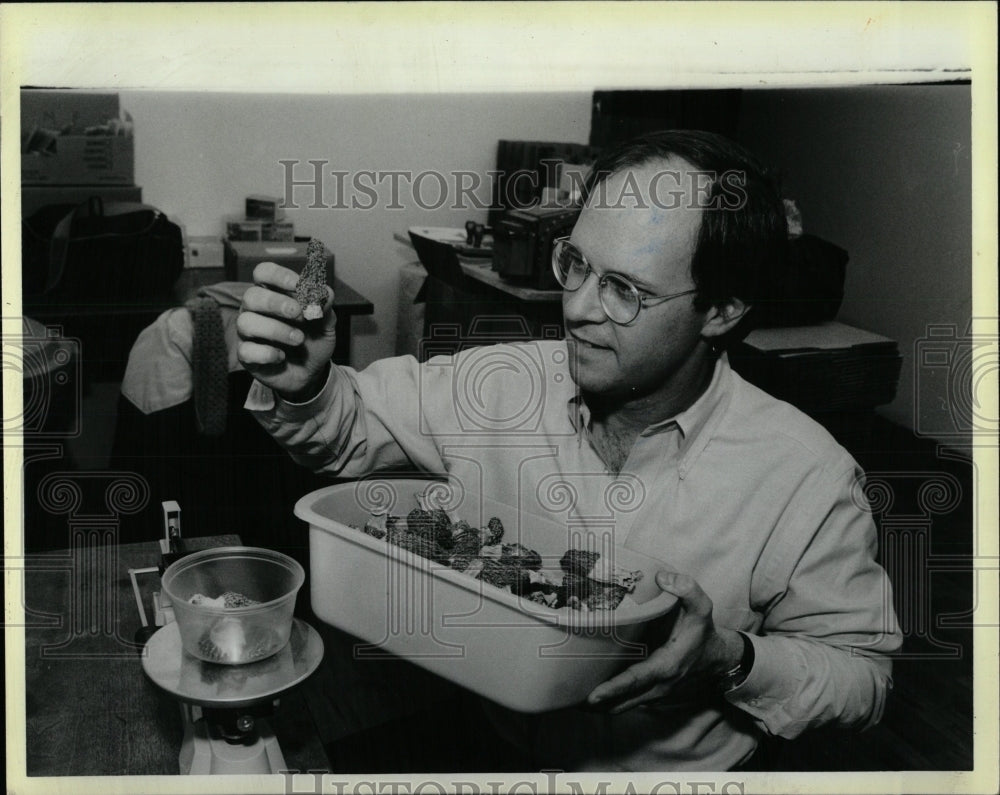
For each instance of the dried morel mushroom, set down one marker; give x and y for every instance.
(229, 599)
(310, 291)
(587, 582)
(590, 564)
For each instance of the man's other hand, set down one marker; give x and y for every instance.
(695, 647)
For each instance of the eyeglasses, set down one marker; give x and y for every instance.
(620, 299)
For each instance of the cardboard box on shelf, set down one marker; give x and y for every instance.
(75, 138)
(81, 160)
(242, 257)
(279, 231)
(244, 229)
(53, 109)
(264, 207)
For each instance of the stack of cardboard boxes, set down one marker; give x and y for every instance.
(264, 221)
(264, 235)
(75, 145)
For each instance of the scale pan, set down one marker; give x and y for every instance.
(228, 686)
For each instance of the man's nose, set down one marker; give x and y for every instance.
(584, 304)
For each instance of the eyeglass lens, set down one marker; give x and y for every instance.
(618, 297)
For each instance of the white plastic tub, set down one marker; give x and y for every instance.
(521, 654)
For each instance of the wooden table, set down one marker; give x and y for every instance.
(90, 709)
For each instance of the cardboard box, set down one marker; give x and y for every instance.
(244, 229)
(34, 197)
(264, 207)
(82, 160)
(59, 109)
(279, 231)
(55, 149)
(243, 256)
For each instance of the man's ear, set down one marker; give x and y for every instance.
(724, 317)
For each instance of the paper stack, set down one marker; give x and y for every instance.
(821, 368)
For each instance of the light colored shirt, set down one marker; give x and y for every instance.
(754, 500)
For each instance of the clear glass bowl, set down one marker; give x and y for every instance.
(234, 635)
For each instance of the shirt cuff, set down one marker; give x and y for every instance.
(263, 399)
(778, 672)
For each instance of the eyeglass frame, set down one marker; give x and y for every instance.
(602, 278)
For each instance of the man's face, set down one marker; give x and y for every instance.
(652, 246)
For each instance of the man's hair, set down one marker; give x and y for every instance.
(740, 250)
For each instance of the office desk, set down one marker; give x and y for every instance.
(90, 709)
(481, 269)
(482, 272)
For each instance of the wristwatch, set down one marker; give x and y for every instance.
(734, 676)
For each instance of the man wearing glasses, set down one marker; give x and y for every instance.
(785, 619)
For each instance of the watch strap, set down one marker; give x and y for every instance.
(739, 672)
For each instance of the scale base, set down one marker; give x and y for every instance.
(204, 751)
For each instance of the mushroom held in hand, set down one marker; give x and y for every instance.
(310, 291)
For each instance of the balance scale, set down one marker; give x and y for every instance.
(225, 707)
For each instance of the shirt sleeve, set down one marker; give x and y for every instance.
(822, 657)
(376, 419)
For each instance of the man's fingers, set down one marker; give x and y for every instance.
(251, 326)
(271, 274)
(634, 678)
(253, 353)
(693, 600)
(268, 302)
(652, 694)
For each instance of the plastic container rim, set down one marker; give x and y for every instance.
(171, 572)
(567, 618)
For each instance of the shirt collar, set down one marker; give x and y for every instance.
(688, 422)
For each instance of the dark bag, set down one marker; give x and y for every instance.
(99, 253)
(812, 285)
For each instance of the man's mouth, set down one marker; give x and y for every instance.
(584, 343)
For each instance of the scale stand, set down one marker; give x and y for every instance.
(227, 741)
(226, 708)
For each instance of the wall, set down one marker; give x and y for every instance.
(882, 171)
(885, 173)
(199, 154)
